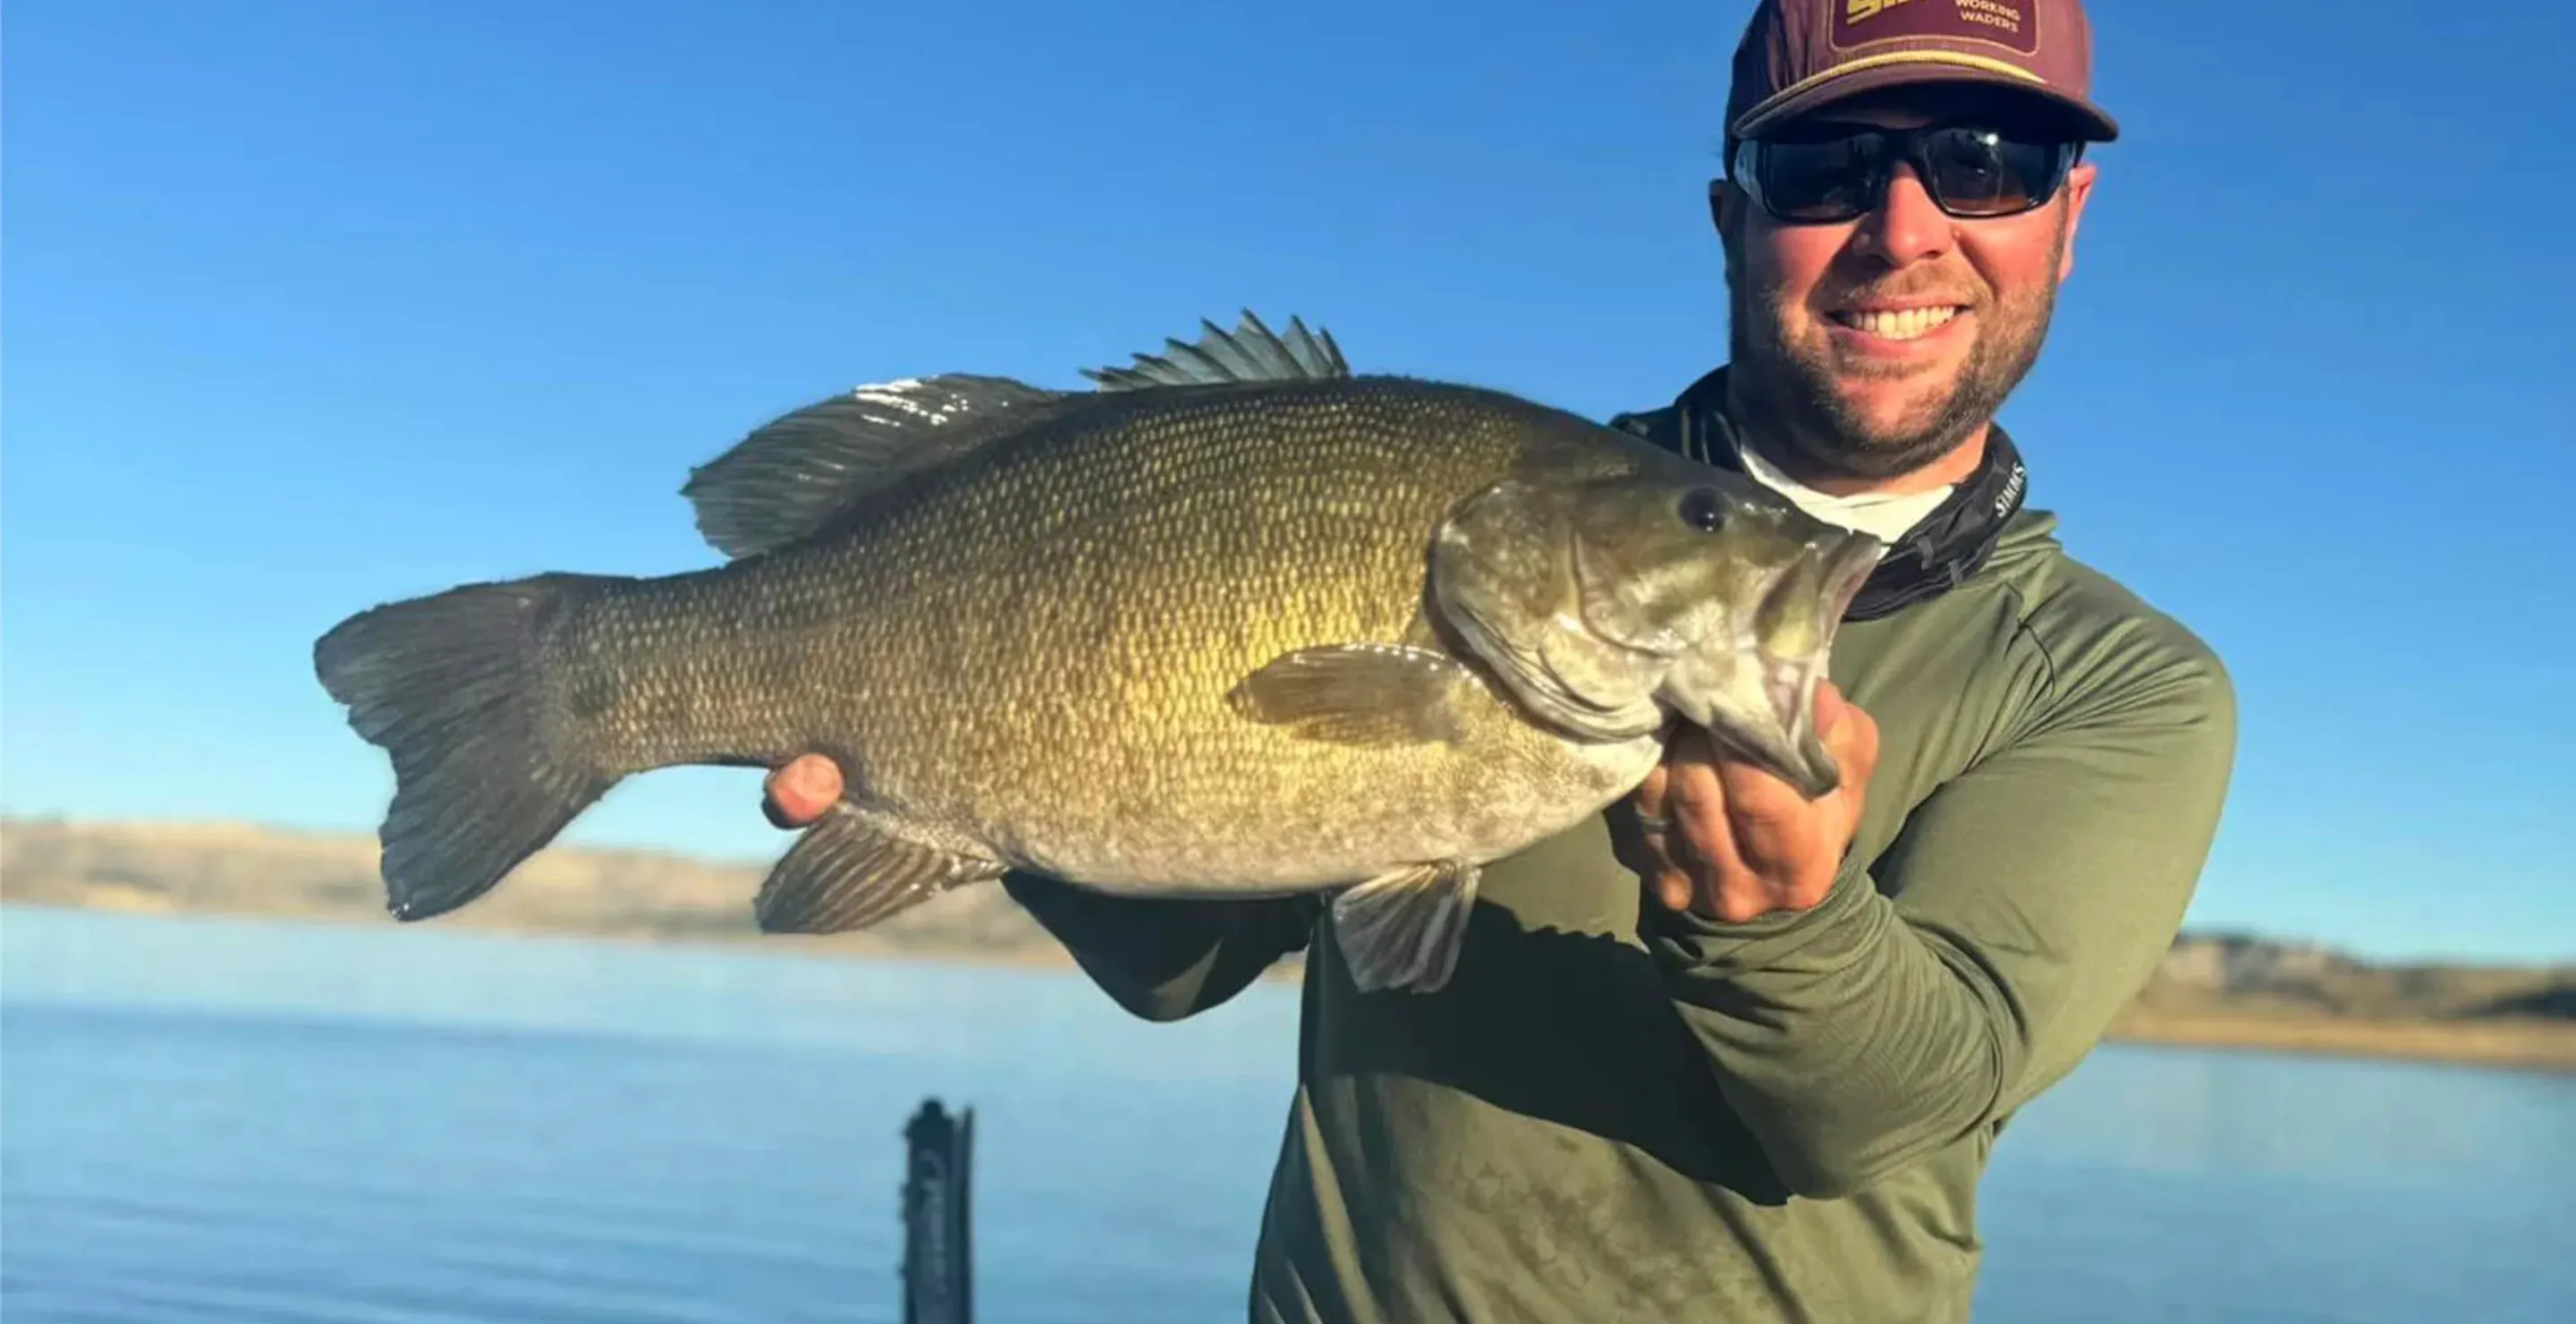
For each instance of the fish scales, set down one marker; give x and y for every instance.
(1235, 623)
(1038, 650)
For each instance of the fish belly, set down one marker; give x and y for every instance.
(1238, 808)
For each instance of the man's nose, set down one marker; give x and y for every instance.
(1907, 226)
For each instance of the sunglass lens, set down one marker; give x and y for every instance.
(1818, 181)
(1976, 172)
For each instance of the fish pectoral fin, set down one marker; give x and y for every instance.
(850, 870)
(1357, 694)
(1402, 930)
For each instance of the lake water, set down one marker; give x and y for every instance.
(213, 1120)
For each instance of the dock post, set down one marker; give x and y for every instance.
(938, 1248)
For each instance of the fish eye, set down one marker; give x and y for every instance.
(1703, 509)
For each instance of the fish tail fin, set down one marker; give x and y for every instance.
(448, 686)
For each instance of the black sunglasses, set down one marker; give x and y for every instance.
(1971, 173)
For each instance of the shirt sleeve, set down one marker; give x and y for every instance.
(1980, 956)
(1161, 959)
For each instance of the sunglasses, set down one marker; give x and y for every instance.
(1970, 173)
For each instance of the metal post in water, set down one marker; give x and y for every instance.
(938, 1250)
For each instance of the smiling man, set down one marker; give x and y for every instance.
(1729, 1054)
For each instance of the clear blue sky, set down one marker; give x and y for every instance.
(311, 305)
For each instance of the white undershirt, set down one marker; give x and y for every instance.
(1883, 515)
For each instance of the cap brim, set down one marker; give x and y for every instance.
(1915, 69)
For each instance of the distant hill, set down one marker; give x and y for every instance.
(2240, 972)
(243, 869)
(2211, 988)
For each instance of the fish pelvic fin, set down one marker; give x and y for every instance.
(800, 472)
(1402, 930)
(852, 869)
(447, 685)
(1251, 352)
(1357, 694)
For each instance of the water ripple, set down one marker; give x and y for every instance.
(237, 1123)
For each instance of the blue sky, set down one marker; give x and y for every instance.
(312, 305)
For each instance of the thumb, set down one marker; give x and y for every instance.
(797, 792)
(1853, 742)
(1831, 707)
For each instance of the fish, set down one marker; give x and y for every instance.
(1232, 621)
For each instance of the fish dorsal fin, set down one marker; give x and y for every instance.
(1251, 352)
(798, 472)
(794, 474)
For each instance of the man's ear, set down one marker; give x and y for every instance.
(2079, 190)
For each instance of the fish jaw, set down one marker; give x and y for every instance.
(1722, 600)
(1504, 577)
(1752, 686)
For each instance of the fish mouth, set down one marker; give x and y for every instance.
(1847, 568)
(1789, 682)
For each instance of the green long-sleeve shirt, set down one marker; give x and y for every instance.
(1615, 1112)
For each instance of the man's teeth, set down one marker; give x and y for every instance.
(1901, 325)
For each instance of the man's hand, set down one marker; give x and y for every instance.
(798, 791)
(1743, 843)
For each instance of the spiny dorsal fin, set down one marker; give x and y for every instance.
(1251, 352)
(798, 472)
(795, 473)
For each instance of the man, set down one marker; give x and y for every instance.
(1728, 1054)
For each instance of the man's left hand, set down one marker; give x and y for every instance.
(1744, 843)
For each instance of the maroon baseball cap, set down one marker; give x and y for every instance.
(1798, 55)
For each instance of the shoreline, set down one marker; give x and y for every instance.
(2527, 1045)
(2531, 1045)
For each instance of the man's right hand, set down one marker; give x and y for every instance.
(798, 791)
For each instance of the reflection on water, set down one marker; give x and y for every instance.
(454, 977)
(211, 1120)
(2382, 1124)
(2162, 1183)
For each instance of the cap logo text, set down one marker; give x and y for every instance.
(2010, 24)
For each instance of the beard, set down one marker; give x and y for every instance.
(1804, 423)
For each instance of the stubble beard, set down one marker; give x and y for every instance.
(1801, 422)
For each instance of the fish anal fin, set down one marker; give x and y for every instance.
(1401, 931)
(1357, 694)
(851, 870)
(797, 473)
(1251, 352)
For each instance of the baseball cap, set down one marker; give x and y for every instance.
(1797, 55)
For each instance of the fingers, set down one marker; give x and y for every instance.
(1702, 836)
(1743, 842)
(1767, 821)
(1652, 851)
(798, 791)
(1651, 793)
(1700, 849)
